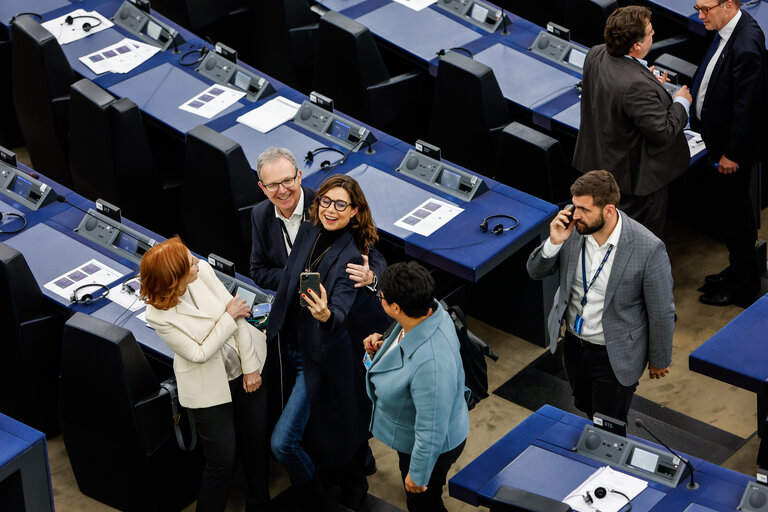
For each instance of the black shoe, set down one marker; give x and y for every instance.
(741, 297)
(718, 279)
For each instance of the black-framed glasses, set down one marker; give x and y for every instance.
(287, 182)
(379, 296)
(705, 10)
(339, 204)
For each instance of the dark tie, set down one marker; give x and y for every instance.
(704, 64)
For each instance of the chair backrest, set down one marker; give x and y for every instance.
(220, 185)
(105, 379)
(30, 344)
(468, 110)
(347, 61)
(41, 78)
(586, 19)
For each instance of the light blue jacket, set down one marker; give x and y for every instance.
(417, 391)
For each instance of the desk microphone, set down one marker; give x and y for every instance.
(93, 220)
(691, 485)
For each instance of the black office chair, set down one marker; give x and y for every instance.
(117, 422)
(350, 69)
(586, 19)
(468, 113)
(30, 345)
(533, 162)
(111, 159)
(220, 188)
(10, 135)
(684, 69)
(41, 78)
(511, 499)
(283, 39)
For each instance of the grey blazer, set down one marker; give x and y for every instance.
(638, 318)
(630, 126)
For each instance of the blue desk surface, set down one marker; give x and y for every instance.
(536, 456)
(16, 438)
(737, 353)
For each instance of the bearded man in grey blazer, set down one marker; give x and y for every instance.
(630, 125)
(615, 297)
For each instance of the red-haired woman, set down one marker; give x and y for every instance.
(324, 423)
(218, 362)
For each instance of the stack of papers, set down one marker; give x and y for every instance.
(416, 5)
(212, 101)
(428, 217)
(66, 33)
(270, 115)
(121, 57)
(610, 480)
(91, 272)
(695, 142)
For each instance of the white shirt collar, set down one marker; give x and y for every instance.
(613, 239)
(641, 61)
(298, 211)
(727, 30)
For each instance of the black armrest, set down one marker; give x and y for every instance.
(398, 95)
(154, 420)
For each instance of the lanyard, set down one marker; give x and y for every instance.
(285, 234)
(584, 271)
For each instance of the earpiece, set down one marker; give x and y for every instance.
(88, 298)
(498, 228)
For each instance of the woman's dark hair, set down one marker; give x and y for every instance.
(410, 286)
(363, 228)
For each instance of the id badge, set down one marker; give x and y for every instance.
(578, 324)
(367, 361)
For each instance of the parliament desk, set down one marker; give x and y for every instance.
(25, 477)
(738, 355)
(537, 456)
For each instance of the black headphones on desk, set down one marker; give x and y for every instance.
(89, 298)
(87, 27)
(16, 216)
(498, 228)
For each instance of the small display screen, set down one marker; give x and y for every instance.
(642, 459)
(21, 186)
(153, 30)
(576, 58)
(340, 130)
(127, 243)
(247, 295)
(242, 81)
(479, 13)
(450, 179)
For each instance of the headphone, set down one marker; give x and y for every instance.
(69, 20)
(602, 492)
(88, 298)
(498, 228)
(14, 215)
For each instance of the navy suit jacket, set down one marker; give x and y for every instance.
(268, 253)
(732, 120)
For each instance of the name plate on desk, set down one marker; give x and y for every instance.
(145, 26)
(476, 12)
(113, 235)
(441, 176)
(634, 457)
(23, 188)
(225, 72)
(559, 50)
(332, 127)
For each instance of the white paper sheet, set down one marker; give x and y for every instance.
(65, 33)
(90, 272)
(126, 299)
(270, 115)
(428, 217)
(120, 57)
(608, 479)
(695, 142)
(416, 5)
(212, 101)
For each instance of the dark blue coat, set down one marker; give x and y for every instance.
(331, 352)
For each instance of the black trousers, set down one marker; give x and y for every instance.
(593, 383)
(230, 431)
(650, 210)
(430, 500)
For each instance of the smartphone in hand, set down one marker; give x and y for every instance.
(571, 209)
(307, 281)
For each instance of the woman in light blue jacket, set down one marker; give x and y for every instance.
(415, 380)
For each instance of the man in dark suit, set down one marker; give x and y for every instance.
(275, 223)
(729, 109)
(615, 297)
(630, 125)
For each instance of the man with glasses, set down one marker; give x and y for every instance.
(630, 125)
(729, 109)
(275, 229)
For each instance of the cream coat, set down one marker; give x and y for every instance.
(196, 336)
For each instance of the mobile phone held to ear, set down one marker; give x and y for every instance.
(307, 281)
(571, 209)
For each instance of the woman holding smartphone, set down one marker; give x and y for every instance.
(311, 327)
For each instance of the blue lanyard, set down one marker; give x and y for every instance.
(584, 271)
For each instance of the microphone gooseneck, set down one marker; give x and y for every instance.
(691, 484)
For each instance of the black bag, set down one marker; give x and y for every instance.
(473, 353)
(170, 386)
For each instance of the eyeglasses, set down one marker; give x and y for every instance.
(288, 182)
(705, 10)
(379, 296)
(326, 201)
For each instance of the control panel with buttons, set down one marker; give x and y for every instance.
(631, 456)
(113, 235)
(556, 49)
(332, 127)
(440, 176)
(23, 188)
(477, 12)
(145, 26)
(225, 72)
